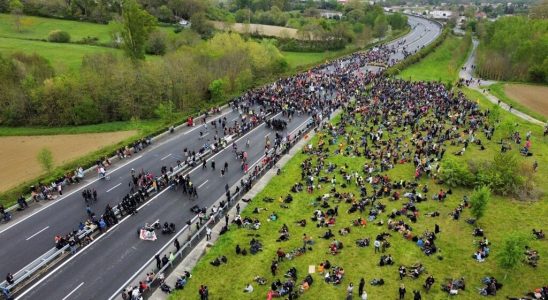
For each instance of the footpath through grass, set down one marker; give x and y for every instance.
(442, 65)
(456, 243)
(497, 90)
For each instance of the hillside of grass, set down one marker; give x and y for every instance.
(503, 216)
(63, 57)
(443, 64)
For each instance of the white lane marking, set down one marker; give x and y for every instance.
(170, 242)
(259, 160)
(196, 126)
(66, 196)
(203, 184)
(165, 157)
(114, 187)
(89, 245)
(79, 286)
(30, 237)
(207, 133)
(226, 148)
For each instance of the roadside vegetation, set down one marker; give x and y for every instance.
(513, 49)
(442, 64)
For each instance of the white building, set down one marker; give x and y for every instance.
(441, 14)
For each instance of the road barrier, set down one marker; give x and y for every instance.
(271, 158)
(21, 277)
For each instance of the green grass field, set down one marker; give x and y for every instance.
(32, 38)
(443, 64)
(497, 90)
(456, 242)
(63, 57)
(297, 59)
(39, 28)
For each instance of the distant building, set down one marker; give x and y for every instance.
(481, 15)
(330, 14)
(184, 23)
(441, 14)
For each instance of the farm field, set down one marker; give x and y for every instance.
(531, 99)
(267, 30)
(443, 64)
(18, 153)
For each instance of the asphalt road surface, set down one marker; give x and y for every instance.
(97, 271)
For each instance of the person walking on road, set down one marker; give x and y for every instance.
(226, 167)
(208, 233)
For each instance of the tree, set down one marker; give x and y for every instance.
(45, 158)
(200, 24)
(381, 26)
(134, 27)
(478, 201)
(157, 43)
(511, 252)
(16, 8)
(166, 112)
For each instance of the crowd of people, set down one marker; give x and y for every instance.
(389, 122)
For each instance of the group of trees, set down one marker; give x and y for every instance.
(112, 88)
(514, 48)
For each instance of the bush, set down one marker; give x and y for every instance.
(454, 173)
(157, 43)
(59, 36)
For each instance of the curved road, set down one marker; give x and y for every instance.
(98, 270)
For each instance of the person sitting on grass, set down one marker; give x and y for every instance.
(386, 260)
(248, 288)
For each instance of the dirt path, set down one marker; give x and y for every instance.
(532, 96)
(18, 153)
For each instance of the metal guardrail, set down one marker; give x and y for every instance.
(274, 156)
(42, 261)
(115, 157)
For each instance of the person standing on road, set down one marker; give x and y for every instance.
(177, 245)
(94, 195)
(213, 165)
(158, 261)
(9, 279)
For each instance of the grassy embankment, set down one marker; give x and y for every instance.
(443, 64)
(504, 215)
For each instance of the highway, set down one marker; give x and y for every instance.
(98, 270)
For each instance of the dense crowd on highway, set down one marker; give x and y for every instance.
(391, 122)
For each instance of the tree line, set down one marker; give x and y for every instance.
(113, 88)
(514, 48)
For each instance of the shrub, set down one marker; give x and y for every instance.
(157, 43)
(478, 201)
(59, 36)
(454, 173)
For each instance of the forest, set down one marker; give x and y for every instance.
(514, 49)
